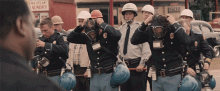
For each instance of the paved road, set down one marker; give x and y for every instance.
(214, 70)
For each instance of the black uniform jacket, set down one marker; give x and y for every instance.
(197, 46)
(99, 58)
(16, 75)
(170, 55)
(56, 50)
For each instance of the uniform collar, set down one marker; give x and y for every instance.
(132, 24)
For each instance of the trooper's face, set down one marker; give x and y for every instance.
(58, 27)
(186, 27)
(146, 14)
(129, 16)
(187, 18)
(80, 21)
(46, 30)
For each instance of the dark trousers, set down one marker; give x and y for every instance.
(82, 84)
(136, 82)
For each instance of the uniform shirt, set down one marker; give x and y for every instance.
(100, 57)
(55, 50)
(16, 75)
(133, 51)
(197, 46)
(167, 57)
(78, 55)
(63, 32)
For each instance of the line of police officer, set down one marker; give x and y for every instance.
(166, 37)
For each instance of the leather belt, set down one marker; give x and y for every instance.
(52, 72)
(132, 61)
(102, 70)
(171, 72)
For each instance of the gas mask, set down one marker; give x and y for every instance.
(159, 26)
(43, 61)
(206, 79)
(92, 32)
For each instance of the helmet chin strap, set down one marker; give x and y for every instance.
(129, 21)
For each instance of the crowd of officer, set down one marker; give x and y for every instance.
(95, 56)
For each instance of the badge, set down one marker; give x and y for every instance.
(105, 35)
(96, 46)
(196, 43)
(54, 42)
(158, 44)
(171, 35)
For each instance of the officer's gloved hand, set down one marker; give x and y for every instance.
(191, 72)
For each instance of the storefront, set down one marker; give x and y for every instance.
(48, 8)
(162, 7)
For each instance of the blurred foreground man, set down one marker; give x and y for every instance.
(17, 44)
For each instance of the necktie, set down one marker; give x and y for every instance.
(126, 40)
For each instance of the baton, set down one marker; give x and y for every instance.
(136, 68)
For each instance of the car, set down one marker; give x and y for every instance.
(212, 37)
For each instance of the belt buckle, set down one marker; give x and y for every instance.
(162, 73)
(99, 70)
(45, 73)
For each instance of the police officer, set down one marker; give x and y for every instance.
(79, 59)
(188, 15)
(102, 42)
(192, 55)
(134, 56)
(52, 48)
(58, 24)
(164, 36)
(148, 10)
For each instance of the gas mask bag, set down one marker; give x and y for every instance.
(206, 79)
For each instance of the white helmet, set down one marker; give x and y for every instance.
(187, 12)
(129, 7)
(84, 15)
(57, 20)
(148, 8)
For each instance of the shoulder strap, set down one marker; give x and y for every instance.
(104, 48)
